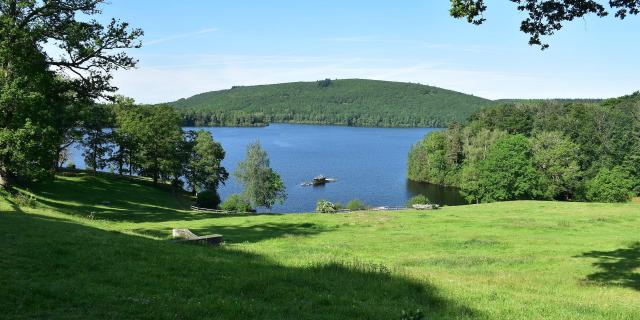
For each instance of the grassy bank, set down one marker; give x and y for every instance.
(98, 247)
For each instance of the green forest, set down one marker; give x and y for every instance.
(538, 150)
(352, 102)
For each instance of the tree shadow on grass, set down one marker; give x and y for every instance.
(59, 269)
(241, 234)
(618, 267)
(113, 198)
(263, 231)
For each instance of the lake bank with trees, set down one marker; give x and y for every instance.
(369, 163)
(538, 150)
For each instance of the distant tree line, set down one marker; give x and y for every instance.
(538, 150)
(353, 102)
(199, 118)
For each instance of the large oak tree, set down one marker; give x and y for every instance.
(54, 57)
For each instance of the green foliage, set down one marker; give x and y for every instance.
(507, 173)
(610, 185)
(38, 99)
(324, 83)
(569, 142)
(236, 203)
(263, 187)
(556, 159)
(156, 136)
(355, 205)
(324, 206)
(208, 199)
(204, 170)
(96, 140)
(429, 160)
(419, 199)
(545, 18)
(352, 102)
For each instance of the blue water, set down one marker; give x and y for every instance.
(369, 164)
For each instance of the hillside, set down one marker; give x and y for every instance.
(98, 247)
(352, 102)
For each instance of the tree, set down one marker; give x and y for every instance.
(263, 187)
(507, 173)
(610, 185)
(204, 170)
(37, 88)
(547, 16)
(427, 161)
(123, 155)
(476, 146)
(470, 184)
(157, 136)
(555, 158)
(96, 140)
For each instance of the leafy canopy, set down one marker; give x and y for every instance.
(40, 91)
(545, 17)
(263, 187)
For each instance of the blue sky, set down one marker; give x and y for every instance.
(192, 46)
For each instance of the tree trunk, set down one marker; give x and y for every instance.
(6, 181)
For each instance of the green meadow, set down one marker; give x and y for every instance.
(100, 247)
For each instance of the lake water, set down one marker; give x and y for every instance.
(369, 164)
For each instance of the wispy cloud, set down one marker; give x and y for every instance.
(180, 36)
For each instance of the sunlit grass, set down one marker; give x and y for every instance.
(99, 247)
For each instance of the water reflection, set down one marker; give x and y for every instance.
(449, 196)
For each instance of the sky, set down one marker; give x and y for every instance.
(194, 46)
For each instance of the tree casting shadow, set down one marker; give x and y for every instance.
(617, 266)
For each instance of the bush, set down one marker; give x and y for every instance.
(324, 206)
(71, 165)
(208, 199)
(610, 185)
(355, 205)
(419, 199)
(236, 203)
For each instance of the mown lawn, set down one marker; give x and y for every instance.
(99, 247)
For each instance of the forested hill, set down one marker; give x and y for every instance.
(352, 102)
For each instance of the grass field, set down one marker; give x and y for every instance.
(98, 247)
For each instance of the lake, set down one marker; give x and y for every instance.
(369, 164)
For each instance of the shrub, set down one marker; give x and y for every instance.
(236, 203)
(610, 185)
(71, 165)
(419, 199)
(208, 199)
(324, 206)
(355, 205)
